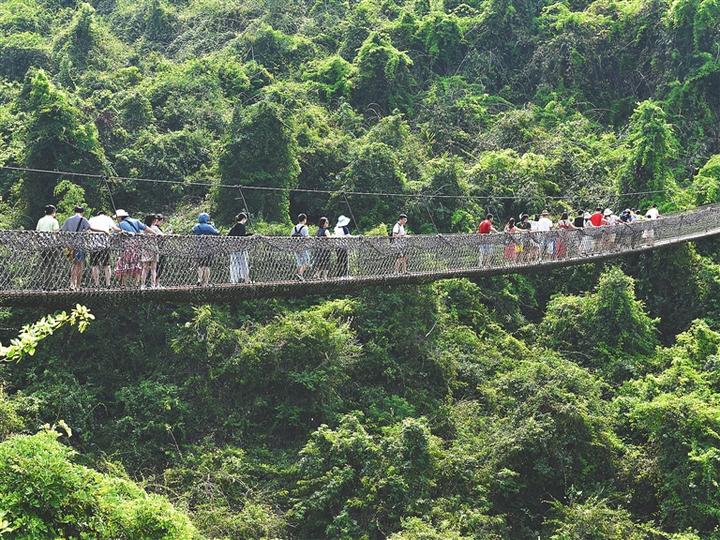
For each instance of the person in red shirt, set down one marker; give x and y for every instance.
(596, 219)
(486, 249)
(486, 225)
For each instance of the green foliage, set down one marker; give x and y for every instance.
(332, 76)
(594, 519)
(85, 44)
(32, 334)
(549, 429)
(504, 407)
(351, 483)
(607, 330)
(197, 94)
(383, 74)
(275, 50)
(56, 136)
(19, 52)
(443, 40)
(375, 168)
(224, 490)
(45, 495)
(175, 156)
(706, 184)
(260, 150)
(652, 147)
(10, 418)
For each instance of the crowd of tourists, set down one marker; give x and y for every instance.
(141, 264)
(519, 249)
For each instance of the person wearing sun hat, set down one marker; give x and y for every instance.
(341, 253)
(128, 265)
(608, 217)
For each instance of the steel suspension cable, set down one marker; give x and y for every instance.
(307, 190)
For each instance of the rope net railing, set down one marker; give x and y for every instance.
(38, 264)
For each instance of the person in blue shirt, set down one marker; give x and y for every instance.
(76, 224)
(205, 258)
(128, 264)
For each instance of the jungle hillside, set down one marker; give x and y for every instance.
(574, 404)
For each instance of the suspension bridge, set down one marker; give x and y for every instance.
(35, 266)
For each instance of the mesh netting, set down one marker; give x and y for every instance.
(38, 264)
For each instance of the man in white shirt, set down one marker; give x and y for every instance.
(103, 225)
(48, 223)
(649, 233)
(544, 225)
(50, 254)
(398, 232)
(652, 213)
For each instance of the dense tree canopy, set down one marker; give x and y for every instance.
(568, 404)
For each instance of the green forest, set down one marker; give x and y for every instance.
(569, 404)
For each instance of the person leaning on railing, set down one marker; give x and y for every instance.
(129, 265)
(103, 226)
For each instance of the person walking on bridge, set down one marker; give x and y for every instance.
(48, 223)
(102, 226)
(49, 252)
(561, 243)
(239, 262)
(652, 212)
(486, 248)
(128, 264)
(596, 219)
(150, 255)
(396, 235)
(302, 256)
(205, 257)
(322, 254)
(76, 224)
(544, 225)
(341, 252)
(512, 248)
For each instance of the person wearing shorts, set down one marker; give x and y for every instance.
(102, 226)
(302, 257)
(76, 224)
(204, 261)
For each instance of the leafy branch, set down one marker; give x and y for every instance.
(32, 334)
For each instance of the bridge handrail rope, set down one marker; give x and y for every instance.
(34, 266)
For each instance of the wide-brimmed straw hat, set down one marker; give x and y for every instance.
(121, 213)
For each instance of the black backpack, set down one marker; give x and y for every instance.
(296, 231)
